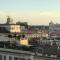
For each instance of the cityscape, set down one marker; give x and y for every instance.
(29, 30)
(35, 40)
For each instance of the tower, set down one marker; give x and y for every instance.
(9, 20)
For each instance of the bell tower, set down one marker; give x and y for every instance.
(9, 20)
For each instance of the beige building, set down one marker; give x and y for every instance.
(15, 28)
(34, 35)
(10, 26)
(24, 41)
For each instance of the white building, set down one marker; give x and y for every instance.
(10, 54)
(10, 26)
(13, 28)
(53, 26)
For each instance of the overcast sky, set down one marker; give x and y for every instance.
(35, 12)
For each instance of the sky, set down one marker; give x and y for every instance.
(35, 12)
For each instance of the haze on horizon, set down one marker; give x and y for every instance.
(35, 12)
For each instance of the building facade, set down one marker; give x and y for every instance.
(53, 26)
(12, 27)
(10, 54)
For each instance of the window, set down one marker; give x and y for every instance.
(19, 58)
(16, 58)
(10, 57)
(0, 57)
(23, 59)
(4, 57)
